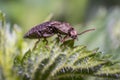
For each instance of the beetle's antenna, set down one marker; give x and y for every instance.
(85, 31)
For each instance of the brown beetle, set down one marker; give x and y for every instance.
(50, 28)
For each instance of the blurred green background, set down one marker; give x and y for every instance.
(103, 15)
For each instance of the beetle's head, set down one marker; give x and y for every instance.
(73, 33)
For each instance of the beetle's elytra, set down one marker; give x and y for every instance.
(50, 28)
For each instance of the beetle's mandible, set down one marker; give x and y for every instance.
(50, 28)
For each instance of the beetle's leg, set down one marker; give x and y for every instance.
(60, 37)
(39, 33)
(64, 39)
(36, 44)
(46, 41)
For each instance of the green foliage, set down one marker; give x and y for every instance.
(65, 62)
(56, 62)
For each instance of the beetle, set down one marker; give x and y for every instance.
(50, 28)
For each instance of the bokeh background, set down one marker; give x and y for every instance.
(103, 15)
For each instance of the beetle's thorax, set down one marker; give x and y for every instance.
(62, 27)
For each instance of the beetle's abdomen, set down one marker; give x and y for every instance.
(40, 31)
(32, 34)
